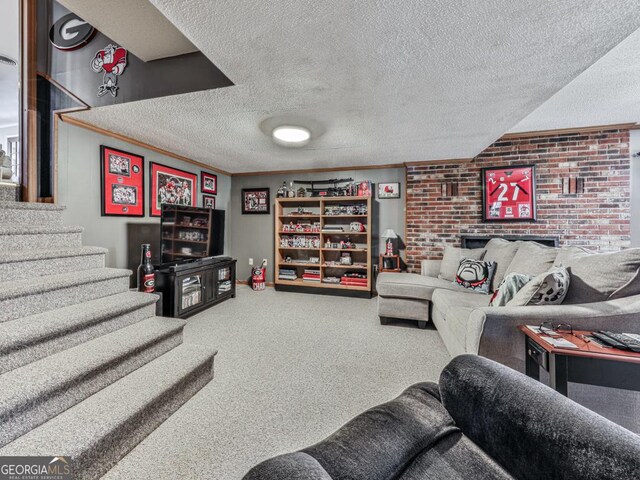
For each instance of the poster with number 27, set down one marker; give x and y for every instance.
(509, 194)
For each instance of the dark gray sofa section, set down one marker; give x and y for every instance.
(483, 421)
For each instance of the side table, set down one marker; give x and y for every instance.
(389, 263)
(590, 363)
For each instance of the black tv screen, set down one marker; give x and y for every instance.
(189, 233)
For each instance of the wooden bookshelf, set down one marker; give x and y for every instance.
(313, 210)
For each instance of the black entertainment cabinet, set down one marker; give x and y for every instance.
(190, 287)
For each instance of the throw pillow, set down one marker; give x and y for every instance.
(597, 277)
(452, 257)
(548, 288)
(502, 252)
(533, 259)
(475, 275)
(511, 285)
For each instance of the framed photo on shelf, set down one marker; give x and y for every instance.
(171, 186)
(256, 201)
(121, 183)
(208, 201)
(208, 183)
(389, 190)
(509, 194)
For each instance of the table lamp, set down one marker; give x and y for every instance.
(389, 234)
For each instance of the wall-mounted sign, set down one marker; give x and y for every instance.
(71, 32)
(509, 194)
(112, 60)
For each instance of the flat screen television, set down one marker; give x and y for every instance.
(189, 233)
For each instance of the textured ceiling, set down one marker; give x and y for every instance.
(391, 82)
(606, 93)
(137, 25)
(9, 108)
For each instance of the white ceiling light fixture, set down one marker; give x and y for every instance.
(291, 136)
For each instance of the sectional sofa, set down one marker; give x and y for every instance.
(604, 293)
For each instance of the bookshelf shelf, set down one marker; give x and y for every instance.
(315, 209)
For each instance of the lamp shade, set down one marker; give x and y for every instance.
(389, 233)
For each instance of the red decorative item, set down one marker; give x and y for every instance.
(509, 194)
(111, 60)
(208, 183)
(171, 186)
(389, 247)
(258, 276)
(122, 183)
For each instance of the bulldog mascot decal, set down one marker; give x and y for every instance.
(112, 60)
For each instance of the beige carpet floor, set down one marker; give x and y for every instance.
(291, 368)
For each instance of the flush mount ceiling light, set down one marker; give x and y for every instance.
(291, 136)
(7, 60)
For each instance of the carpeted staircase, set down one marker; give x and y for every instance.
(86, 368)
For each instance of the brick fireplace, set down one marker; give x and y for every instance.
(598, 218)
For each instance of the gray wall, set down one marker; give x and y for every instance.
(252, 236)
(79, 189)
(634, 147)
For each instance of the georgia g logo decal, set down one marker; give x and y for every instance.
(112, 60)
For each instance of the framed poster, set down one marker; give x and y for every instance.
(208, 183)
(389, 190)
(256, 201)
(121, 183)
(208, 201)
(509, 194)
(172, 186)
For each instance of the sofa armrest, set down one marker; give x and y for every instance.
(380, 443)
(531, 430)
(291, 466)
(430, 268)
(492, 333)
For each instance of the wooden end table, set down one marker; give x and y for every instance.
(589, 363)
(393, 259)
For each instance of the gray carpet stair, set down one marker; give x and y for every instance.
(102, 429)
(86, 368)
(21, 264)
(9, 192)
(35, 393)
(38, 237)
(28, 339)
(30, 296)
(22, 213)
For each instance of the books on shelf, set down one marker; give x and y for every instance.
(287, 274)
(311, 275)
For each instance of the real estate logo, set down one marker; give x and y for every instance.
(35, 468)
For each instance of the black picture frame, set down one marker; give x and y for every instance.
(203, 177)
(206, 197)
(487, 192)
(258, 193)
(131, 178)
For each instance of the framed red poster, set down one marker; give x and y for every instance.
(509, 194)
(121, 183)
(171, 186)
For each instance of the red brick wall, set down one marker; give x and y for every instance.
(598, 218)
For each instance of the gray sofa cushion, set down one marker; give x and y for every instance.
(410, 285)
(502, 252)
(452, 257)
(454, 458)
(596, 277)
(532, 259)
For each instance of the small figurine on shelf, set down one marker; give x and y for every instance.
(290, 191)
(327, 243)
(348, 244)
(302, 192)
(282, 191)
(287, 259)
